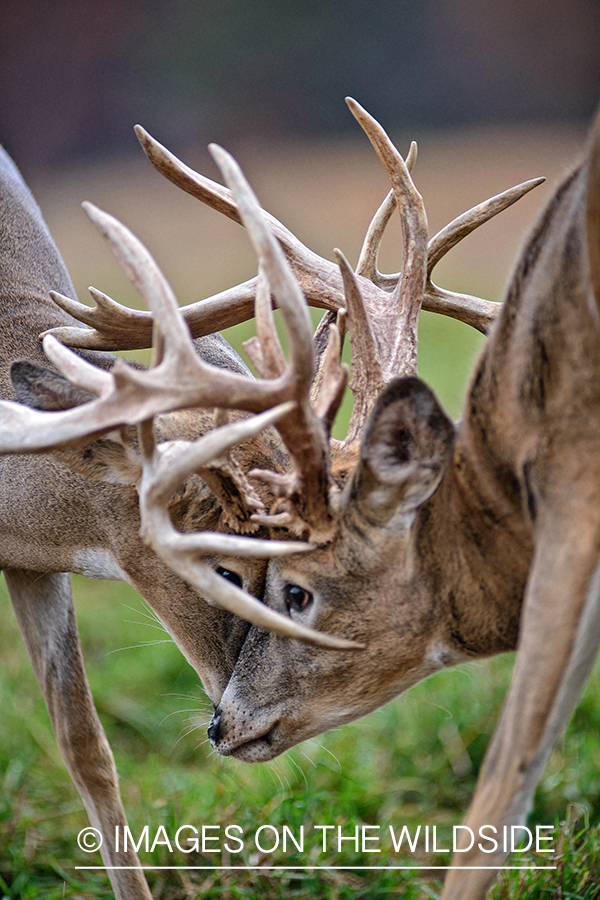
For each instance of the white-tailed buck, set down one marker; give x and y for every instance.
(78, 511)
(421, 545)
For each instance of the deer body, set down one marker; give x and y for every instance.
(55, 520)
(502, 550)
(535, 399)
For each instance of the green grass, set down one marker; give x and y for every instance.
(412, 763)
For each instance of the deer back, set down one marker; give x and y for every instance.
(537, 381)
(30, 266)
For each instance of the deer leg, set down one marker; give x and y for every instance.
(558, 642)
(43, 604)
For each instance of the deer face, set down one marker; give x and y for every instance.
(365, 585)
(282, 692)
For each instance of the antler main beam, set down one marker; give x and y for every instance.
(118, 328)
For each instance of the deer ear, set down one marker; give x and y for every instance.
(42, 388)
(113, 458)
(406, 448)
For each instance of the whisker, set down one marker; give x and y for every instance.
(307, 757)
(138, 646)
(175, 712)
(299, 768)
(146, 625)
(185, 734)
(199, 697)
(327, 750)
(274, 773)
(147, 612)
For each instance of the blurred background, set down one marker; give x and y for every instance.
(495, 93)
(76, 74)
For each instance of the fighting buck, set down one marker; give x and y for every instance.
(452, 544)
(391, 601)
(77, 511)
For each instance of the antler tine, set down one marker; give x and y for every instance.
(164, 469)
(367, 261)
(77, 370)
(369, 253)
(312, 271)
(464, 224)
(284, 286)
(143, 272)
(303, 433)
(117, 327)
(331, 379)
(407, 296)
(264, 350)
(368, 375)
(199, 186)
(472, 310)
(112, 326)
(319, 277)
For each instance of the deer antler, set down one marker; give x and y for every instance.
(303, 432)
(164, 469)
(179, 379)
(117, 328)
(380, 312)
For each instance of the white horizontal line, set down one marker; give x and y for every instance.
(310, 868)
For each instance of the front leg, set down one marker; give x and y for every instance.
(558, 642)
(43, 604)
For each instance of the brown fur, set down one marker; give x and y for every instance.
(454, 547)
(77, 511)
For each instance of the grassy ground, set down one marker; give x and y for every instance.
(412, 763)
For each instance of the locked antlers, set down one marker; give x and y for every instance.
(380, 313)
(180, 379)
(117, 328)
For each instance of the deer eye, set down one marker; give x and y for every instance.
(296, 598)
(230, 576)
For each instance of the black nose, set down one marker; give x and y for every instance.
(214, 729)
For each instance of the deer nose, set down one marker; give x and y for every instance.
(214, 728)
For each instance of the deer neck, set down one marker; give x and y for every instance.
(475, 548)
(541, 357)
